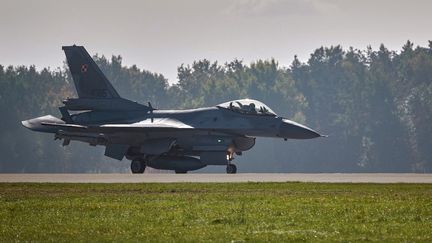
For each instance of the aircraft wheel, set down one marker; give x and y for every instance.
(231, 169)
(180, 172)
(138, 166)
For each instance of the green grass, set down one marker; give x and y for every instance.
(229, 212)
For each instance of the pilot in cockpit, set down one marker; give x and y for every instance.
(252, 109)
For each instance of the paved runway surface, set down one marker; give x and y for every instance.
(242, 177)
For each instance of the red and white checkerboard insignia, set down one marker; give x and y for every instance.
(84, 68)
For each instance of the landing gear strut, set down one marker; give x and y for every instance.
(231, 169)
(138, 166)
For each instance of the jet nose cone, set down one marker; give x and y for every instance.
(291, 129)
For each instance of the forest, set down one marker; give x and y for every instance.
(374, 105)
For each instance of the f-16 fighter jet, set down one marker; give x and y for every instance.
(179, 140)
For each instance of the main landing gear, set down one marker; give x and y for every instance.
(138, 166)
(231, 169)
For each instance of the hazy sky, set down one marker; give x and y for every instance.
(161, 35)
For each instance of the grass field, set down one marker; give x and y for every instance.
(230, 212)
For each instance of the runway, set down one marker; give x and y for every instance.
(220, 178)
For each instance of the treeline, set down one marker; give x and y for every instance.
(375, 105)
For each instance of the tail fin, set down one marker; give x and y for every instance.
(89, 80)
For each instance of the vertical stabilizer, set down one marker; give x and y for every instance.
(89, 80)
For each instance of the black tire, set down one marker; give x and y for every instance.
(138, 166)
(180, 172)
(231, 169)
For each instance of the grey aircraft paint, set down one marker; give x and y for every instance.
(179, 140)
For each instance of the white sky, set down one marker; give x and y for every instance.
(160, 35)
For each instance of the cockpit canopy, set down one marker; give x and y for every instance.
(248, 106)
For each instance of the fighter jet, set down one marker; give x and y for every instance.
(178, 140)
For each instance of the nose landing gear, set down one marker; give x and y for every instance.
(231, 169)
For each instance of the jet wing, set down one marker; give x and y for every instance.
(166, 123)
(155, 125)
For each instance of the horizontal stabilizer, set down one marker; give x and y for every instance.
(70, 126)
(37, 124)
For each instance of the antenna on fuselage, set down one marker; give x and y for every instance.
(151, 111)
